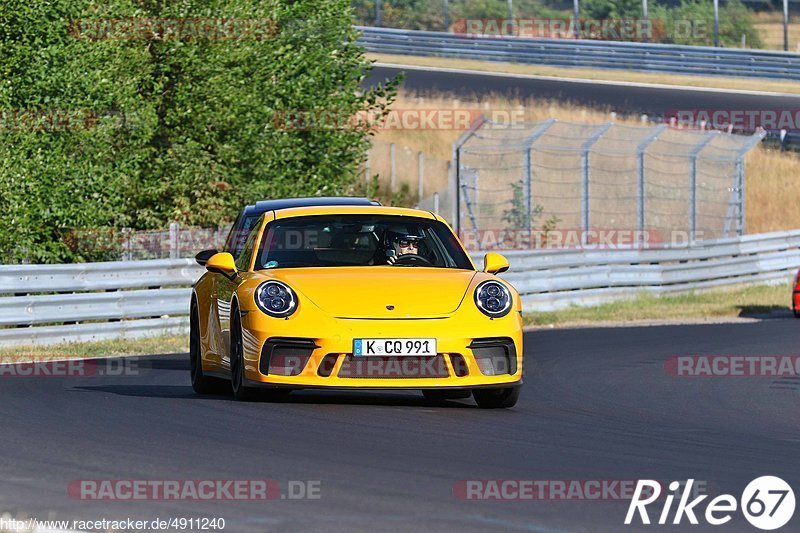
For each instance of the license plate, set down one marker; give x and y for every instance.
(394, 347)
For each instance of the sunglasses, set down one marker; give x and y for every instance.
(406, 243)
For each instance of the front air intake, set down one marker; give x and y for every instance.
(495, 355)
(285, 356)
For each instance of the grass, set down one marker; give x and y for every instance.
(738, 302)
(772, 189)
(91, 350)
(715, 82)
(770, 26)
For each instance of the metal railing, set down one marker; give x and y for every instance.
(48, 304)
(51, 304)
(675, 59)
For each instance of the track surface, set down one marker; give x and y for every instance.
(622, 98)
(597, 404)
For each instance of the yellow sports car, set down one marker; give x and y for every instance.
(344, 293)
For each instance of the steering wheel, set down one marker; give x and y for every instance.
(412, 259)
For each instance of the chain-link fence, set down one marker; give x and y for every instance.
(411, 177)
(565, 184)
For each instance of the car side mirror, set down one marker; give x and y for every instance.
(203, 257)
(494, 263)
(221, 263)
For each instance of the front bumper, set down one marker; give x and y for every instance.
(469, 347)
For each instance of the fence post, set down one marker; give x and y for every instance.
(420, 175)
(527, 168)
(392, 168)
(640, 150)
(693, 184)
(174, 237)
(455, 168)
(585, 147)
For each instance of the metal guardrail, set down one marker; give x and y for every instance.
(97, 301)
(549, 281)
(94, 301)
(674, 59)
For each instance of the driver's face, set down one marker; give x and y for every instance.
(407, 247)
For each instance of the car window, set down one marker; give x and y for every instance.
(229, 240)
(359, 240)
(246, 253)
(240, 234)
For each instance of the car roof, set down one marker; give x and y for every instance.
(265, 206)
(353, 210)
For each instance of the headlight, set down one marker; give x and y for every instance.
(493, 299)
(276, 299)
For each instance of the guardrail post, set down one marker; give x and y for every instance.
(455, 168)
(585, 147)
(640, 151)
(693, 183)
(174, 238)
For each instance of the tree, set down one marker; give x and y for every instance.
(185, 126)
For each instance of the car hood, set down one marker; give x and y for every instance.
(368, 292)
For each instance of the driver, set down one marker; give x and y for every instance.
(402, 245)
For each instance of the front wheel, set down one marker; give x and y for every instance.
(240, 390)
(496, 398)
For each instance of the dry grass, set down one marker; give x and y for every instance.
(770, 26)
(89, 350)
(753, 301)
(772, 187)
(772, 190)
(717, 82)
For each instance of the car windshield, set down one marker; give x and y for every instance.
(360, 240)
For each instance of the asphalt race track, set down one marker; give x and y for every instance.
(598, 405)
(622, 98)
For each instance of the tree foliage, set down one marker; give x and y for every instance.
(163, 129)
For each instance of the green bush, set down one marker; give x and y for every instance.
(178, 129)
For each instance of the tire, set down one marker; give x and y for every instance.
(201, 383)
(496, 398)
(442, 395)
(239, 389)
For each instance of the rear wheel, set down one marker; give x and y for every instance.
(496, 398)
(240, 390)
(201, 383)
